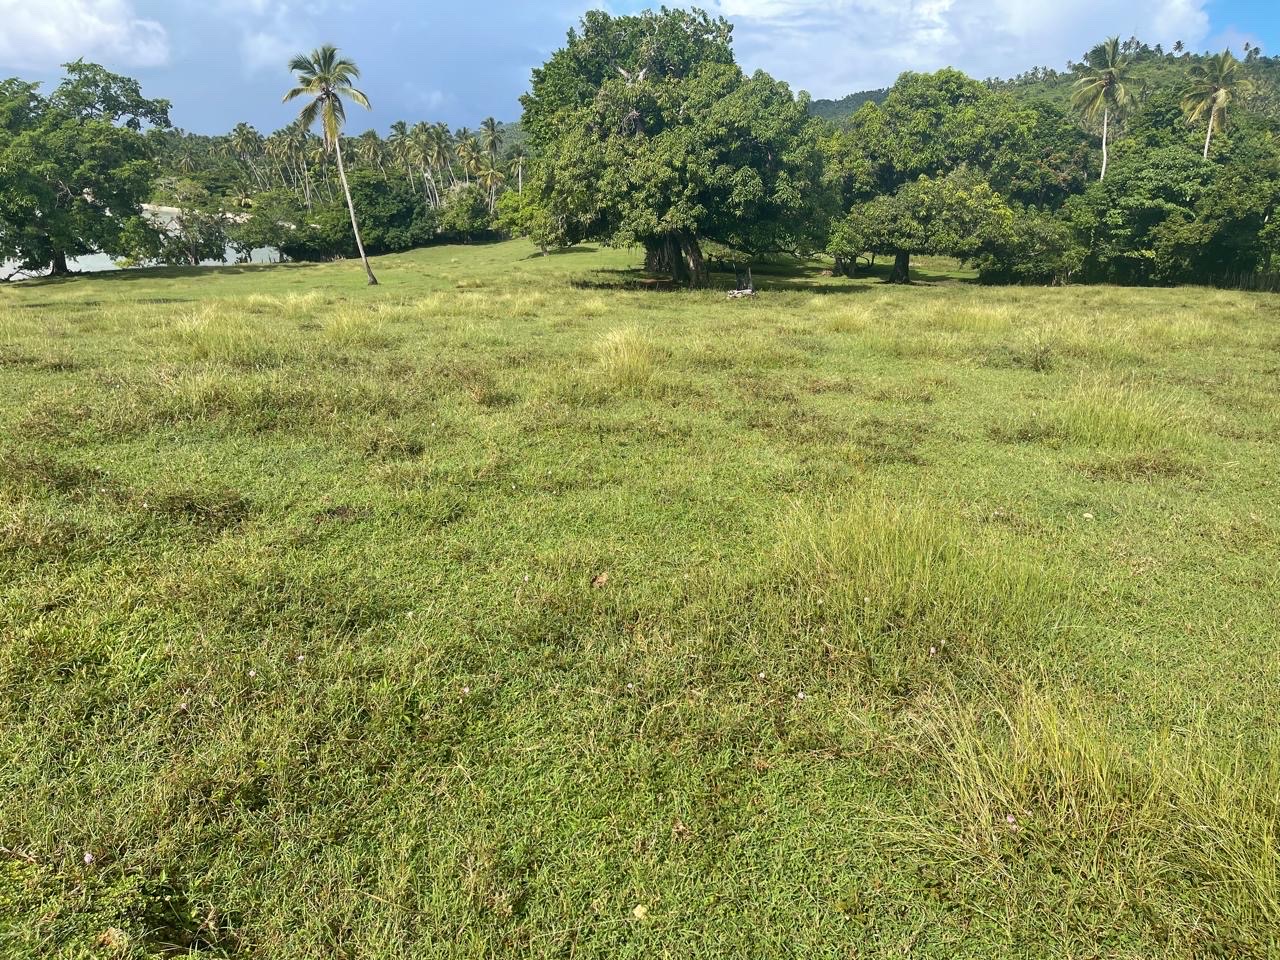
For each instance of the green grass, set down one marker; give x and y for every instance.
(510, 608)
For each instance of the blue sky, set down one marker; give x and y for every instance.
(221, 61)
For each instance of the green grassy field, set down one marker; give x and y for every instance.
(509, 609)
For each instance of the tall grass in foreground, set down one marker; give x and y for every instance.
(1040, 801)
(627, 359)
(900, 592)
(1114, 417)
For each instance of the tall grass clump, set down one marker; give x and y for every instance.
(898, 592)
(357, 329)
(293, 307)
(1038, 806)
(214, 335)
(1109, 416)
(627, 359)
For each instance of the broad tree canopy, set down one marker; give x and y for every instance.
(75, 167)
(647, 132)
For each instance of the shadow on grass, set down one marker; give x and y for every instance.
(160, 273)
(563, 252)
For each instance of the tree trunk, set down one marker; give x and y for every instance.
(901, 272)
(657, 256)
(693, 266)
(351, 207)
(1208, 134)
(1106, 122)
(426, 188)
(60, 268)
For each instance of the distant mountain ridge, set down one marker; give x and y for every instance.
(846, 106)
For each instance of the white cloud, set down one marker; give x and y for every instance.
(44, 33)
(266, 50)
(834, 47)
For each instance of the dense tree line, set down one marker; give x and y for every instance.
(644, 131)
(1134, 165)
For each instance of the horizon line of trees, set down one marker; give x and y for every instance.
(643, 130)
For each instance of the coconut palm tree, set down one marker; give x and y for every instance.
(465, 148)
(440, 153)
(1215, 83)
(369, 151)
(1104, 89)
(326, 78)
(246, 145)
(518, 159)
(400, 143)
(422, 137)
(490, 177)
(491, 137)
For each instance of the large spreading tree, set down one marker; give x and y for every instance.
(75, 166)
(646, 132)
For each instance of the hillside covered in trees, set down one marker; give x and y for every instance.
(1153, 68)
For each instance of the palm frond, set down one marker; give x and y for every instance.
(355, 95)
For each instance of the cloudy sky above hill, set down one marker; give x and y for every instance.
(221, 61)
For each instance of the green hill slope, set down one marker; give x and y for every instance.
(1155, 69)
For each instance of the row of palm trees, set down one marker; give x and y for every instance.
(1107, 90)
(440, 160)
(431, 159)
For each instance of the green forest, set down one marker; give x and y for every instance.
(1136, 165)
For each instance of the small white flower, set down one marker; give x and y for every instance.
(1088, 516)
(800, 695)
(631, 686)
(760, 675)
(932, 651)
(466, 691)
(253, 673)
(300, 658)
(88, 859)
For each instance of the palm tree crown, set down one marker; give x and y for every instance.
(491, 135)
(326, 78)
(1215, 83)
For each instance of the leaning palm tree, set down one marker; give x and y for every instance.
(326, 79)
(422, 137)
(1215, 83)
(1104, 89)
